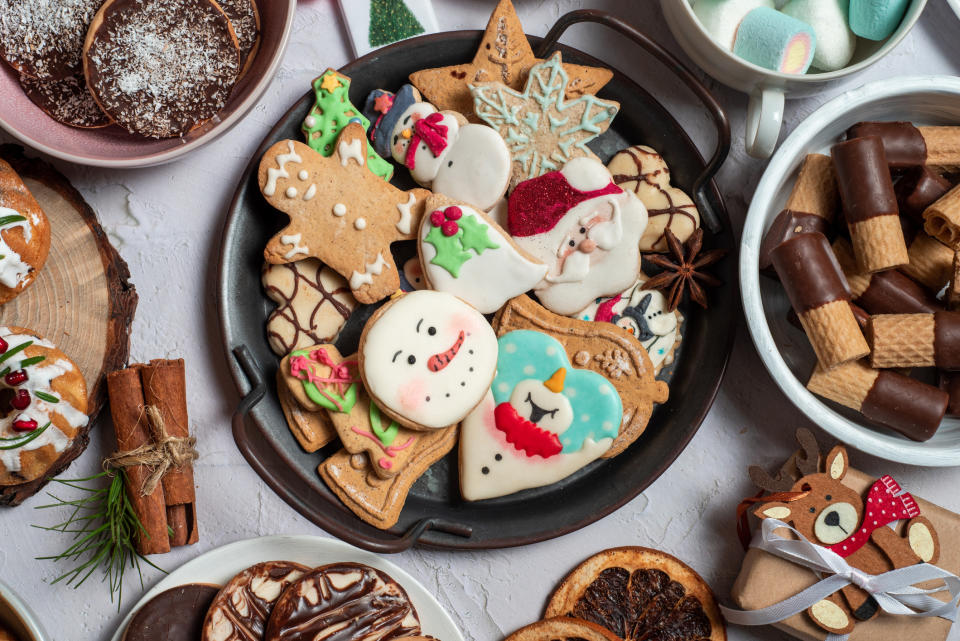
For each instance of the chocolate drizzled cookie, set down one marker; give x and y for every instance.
(160, 69)
(44, 38)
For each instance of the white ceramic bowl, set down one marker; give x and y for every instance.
(16, 616)
(768, 88)
(783, 348)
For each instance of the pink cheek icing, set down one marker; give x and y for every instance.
(411, 394)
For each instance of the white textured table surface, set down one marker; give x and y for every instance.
(166, 222)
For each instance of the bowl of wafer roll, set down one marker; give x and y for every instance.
(849, 269)
(132, 83)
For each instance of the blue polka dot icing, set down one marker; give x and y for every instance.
(527, 354)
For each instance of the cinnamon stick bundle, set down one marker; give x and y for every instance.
(149, 407)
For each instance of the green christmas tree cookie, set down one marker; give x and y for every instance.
(331, 112)
(390, 21)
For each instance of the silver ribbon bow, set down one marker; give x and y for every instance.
(894, 591)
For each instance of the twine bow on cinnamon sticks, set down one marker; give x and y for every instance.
(164, 453)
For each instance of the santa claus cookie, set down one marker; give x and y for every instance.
(427, 359)
(643, 171)
(465, 253)
(645, 314)
(340, 212)
(584, 227)
(24, 235)
(463, 161)
(43, 404)
(542, 420)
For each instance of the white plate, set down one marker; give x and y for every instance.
(783, 348)
(955, 5)
(220, 565)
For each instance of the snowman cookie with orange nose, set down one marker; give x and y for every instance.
(427, 359)
(443, 152)
(541, 421)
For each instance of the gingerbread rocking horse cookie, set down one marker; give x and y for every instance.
(340, 212)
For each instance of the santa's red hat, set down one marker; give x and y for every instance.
(536, 206)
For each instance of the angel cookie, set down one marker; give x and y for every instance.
(643, 171)
(542, 420)
(584, 227)
(427, 359)
(541, 127)
(443, 152)
(465, 253)
(340, 212)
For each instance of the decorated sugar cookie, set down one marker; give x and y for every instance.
(645, 314)
(412, 276)
(427, 359)
(443, 152)
(542, 420)
(465, 253)
(340, 212)
(584, 227)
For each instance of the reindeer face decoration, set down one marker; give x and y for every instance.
(829, 513)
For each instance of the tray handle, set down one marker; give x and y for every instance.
(700, 186)
(398, 543)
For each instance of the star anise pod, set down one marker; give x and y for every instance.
(682, 269)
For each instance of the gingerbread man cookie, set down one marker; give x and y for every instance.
(340, 212)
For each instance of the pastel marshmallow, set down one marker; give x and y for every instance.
(876, 19)
(775, 41)
(835, 41)
(721, 18)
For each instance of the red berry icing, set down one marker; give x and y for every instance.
(449, 228)
(24, 425)
(436, 218)
(4, 345)
(16, 378)
(21, 400)
(453, 212)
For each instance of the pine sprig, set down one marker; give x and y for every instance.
(104, 529)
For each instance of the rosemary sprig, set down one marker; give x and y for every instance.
(43, 396)
(33, 360)
(15, 442)
(6, 220)
(15, 350)
(104, 529)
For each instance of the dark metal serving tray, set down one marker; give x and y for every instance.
(434, 514)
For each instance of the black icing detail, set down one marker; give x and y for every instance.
(485, 469)
(537, 413)
(411, 359)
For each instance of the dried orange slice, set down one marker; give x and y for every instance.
(640, 594)
(562, 629)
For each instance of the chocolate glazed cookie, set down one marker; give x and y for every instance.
(343, 602)
(174, 615)
(160, 69)
(241, 609)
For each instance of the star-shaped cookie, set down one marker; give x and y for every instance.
(542, 129)
(504, 56)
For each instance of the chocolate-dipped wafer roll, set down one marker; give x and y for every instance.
(952, 296)
(810, 207)
(869, 204)
(888, 292)
(931, 262)
(950, 383)
(942, 219)
(915, 340)
(911, 146)
(818, 292)
(862, 316)
(899, 402)
(919, 188)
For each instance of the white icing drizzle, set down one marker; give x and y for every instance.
(280, 171)
(339, 209)
(406, 217)
(294, 240)
(360, 224)
(13, 269)
(311, 192)
(358, 280)
(303, 175)
(352, 149)
(39, 377)
(309, 122)
(291, 192)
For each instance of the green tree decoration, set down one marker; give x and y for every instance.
(390, 21)
(333, 111)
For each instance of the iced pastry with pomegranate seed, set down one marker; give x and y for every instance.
(24, 235)
(43, 405)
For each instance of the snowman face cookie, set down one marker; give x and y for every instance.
(427, 359)
(416, 125)
(542, 420)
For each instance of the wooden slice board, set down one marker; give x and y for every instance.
(82, 300)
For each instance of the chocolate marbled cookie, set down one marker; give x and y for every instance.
(66, 100)
(44, 38)
(160, 69)
(174, 615)
(343, 602)
(241, 609)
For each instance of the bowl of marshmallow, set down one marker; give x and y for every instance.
(774, 49)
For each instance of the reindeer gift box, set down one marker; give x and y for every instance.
(867, 526)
